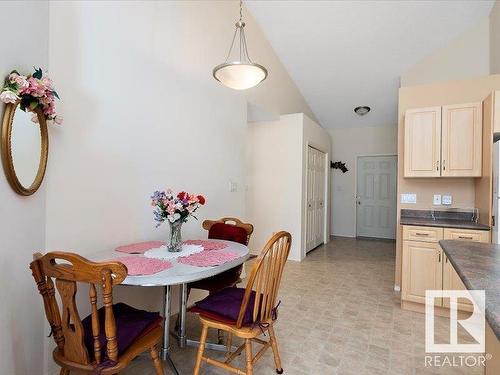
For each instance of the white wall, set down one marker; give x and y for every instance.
(347, 144)
(276, 177)
(467, 56)
(22, 219)
(495, 39)
(143, 112)
(274, 180)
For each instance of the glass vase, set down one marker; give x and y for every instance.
(175, 239)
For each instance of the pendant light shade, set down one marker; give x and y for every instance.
(241, 73)
(240, 76)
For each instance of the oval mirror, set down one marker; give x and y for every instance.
(25, 149)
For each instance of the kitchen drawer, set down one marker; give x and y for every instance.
(467, 235)
(424, 234)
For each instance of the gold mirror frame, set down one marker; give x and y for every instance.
(6, 151)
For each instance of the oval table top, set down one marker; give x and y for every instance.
(179, 273)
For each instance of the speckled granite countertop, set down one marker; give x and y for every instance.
(442, 219)
(478, 265)
(443, 223)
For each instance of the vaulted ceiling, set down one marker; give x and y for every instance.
(342, 54)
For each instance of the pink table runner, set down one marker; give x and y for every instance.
(207, 244)
(138, 265)
(139, 248)
(208, 258)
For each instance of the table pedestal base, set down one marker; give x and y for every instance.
(167, 309)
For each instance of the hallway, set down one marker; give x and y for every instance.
(338, 315)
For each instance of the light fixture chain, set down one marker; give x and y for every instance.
(232, 44)
(241, 12)
(245, 50)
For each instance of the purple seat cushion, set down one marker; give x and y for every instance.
(225, 305)
(221, 231)
(131, 323)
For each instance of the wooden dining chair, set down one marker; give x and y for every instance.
(110, 337)
(247, 312)
(230, 229)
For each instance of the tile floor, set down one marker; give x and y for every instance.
(339, 315)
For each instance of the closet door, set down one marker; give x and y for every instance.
(462, 140)
(320, 197)
(311, 176)
(422, 147)
(315, 215)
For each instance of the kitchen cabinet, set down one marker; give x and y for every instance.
(493, 348)
(461, 140)
(467, 235)
(426, 267)
(422, 270)
(451, 281)
(443, 141)
(422, 145)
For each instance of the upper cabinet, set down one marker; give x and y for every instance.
(443, 141)
(422, 150)
(461, 152)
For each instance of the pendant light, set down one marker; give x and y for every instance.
(242, 73)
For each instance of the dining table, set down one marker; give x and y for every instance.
(178, 274)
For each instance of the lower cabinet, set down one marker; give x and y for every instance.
(426, 267)
(422, 270)
(451, 281)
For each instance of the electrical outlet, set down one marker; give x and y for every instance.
(409, 198)
(447, 200)
(437, 200)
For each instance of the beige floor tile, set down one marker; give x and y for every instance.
(339, 316)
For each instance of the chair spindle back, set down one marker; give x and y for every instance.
(68, 329)
(265, 278)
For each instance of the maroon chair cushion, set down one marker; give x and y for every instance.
(225, 305)
(221, 231)
(131, 323)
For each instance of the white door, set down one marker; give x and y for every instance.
(376, 197)
(315, 217)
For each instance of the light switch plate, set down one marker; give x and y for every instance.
(437, 200)
(233, 187)
(447, 200)
(409, 198)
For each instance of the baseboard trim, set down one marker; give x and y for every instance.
(341, 235)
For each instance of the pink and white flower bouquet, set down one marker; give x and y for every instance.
(32, 91)
(175, 210)
(170, 207)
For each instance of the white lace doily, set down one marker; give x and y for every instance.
(163, 253)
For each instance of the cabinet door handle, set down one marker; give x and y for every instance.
(446, 259)
(465, 237)
(421, 234)
(439, 256)
(437, 166)
(444, 165)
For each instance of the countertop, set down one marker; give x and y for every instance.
(478, 265)
(454, 218)
(442, 223)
